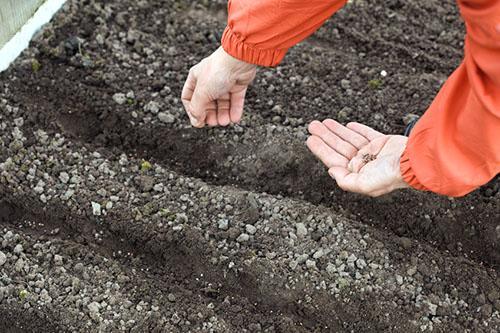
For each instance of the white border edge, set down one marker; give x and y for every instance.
(20, 41)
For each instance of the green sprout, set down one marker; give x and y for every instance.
(342, 283)
(23, 294)
(145, 166)
(375, 83)
(166, 213)
(35, 65)
(130, 101)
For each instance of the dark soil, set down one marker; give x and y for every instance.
(147, 47)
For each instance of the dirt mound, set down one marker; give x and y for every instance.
(116, 215)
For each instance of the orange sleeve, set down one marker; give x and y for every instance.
(261, 31)
(455, 147)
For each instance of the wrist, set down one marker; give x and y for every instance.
(236, 65)
(400, 182)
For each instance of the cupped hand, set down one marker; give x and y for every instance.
(359, 158)
(214, 92)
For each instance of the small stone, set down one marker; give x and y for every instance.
(330, 268)
(223, 224)
(405, 242)
(102, 192)
(399, 279)
(58, 260)
(3, 258)
(158, 187)
(153, 107)
(166, 117)
(345, 84)
(175, 318)
(75, 179)
(302, 258)
(250, 229)
(432, 308)
(486, 310)
(497, 305)
(293, 264)
(45, 297)
(243, 238)
(93, 307)
(310, 264)
(493, 296)
(145, 183)
(19, 265)
(64, 177)
(171, 297)
(301, 230)
(120, 98)
(360, 263)
(411, 271)
(318, 254)
(18, 249)
(96, 209)
(68, 194)
(19, 122)
(352, 258)
(79, 267)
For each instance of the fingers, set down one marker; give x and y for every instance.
(332, 140)
(211, 118)
(194, 99)
(345, 179)
(325, 153)
(187, 93)
(368, 132)
(237, 103)
(354, 138)
(223, 106)
(200, 104)
(202, 110)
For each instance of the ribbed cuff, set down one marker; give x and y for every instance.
(247, 53)
(407, 173)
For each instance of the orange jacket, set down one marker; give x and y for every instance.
(455, 146)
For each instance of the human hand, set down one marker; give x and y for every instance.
(359, 158)
(214, 92)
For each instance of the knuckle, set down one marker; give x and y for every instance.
(349, 151)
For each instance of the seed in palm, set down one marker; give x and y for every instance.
(367, 158)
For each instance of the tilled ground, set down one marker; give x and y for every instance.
(117, 216)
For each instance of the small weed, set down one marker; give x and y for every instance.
(165, 212)
(342, 283)
(145, 166)
(375, 83)
(23, 294)
(35, 65)
(149, 209)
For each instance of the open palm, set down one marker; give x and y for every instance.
(359, 158)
